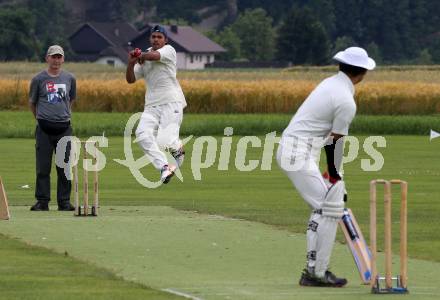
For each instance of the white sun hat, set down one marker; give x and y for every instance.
(355, 56)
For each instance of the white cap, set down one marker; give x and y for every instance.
(355, 56)
(55, 49)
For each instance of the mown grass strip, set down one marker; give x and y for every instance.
(22, 125)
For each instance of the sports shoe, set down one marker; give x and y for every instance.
(66, 207)
(179, 156)
(40, 206)
(166, 173)
(329, 280)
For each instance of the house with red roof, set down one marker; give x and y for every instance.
(109, 43)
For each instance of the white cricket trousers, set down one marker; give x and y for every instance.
(158, 128)
(303, 171)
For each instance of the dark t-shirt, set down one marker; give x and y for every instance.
(52, 95)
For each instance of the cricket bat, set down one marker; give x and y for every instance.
(357, 245)
(4, 210)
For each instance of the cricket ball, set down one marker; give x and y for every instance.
(137, 52)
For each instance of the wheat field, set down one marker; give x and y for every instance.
(387, 91)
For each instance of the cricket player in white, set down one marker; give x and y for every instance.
(323, 119)
(164, 101)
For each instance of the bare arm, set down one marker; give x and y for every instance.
(129, 73)
(132, 60)
(150, 55)
(33, 96)
(33, 108)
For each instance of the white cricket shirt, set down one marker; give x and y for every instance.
(329, 108)
(160, 78)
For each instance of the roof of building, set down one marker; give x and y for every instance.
(117, 33)
(188, 38)
(120, 34)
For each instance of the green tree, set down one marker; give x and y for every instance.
(348, 19)
(230, 41)
(343, 43)
(275, 9)
(137, 9)
(434, 49)
(424, 58)
(325, 12)
(374, 52)
(431, 16)
(302, 39)
(179, 22)
(372, 18)
(187, 10)
(49, 23)
(16, 36)
(394, 35)
(254, 29)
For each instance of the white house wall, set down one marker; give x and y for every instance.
(198, 60)
(181, 60)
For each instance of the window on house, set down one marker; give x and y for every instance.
(191, 58)
(208, 59)
(111, 62)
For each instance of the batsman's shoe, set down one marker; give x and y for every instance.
(179, 156)
(166, 173)
(329, 280)
(40, 206)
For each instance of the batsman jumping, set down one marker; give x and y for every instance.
(322, 121)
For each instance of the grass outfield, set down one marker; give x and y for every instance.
(29, 272)
(261, 196)
(20, 124)
(199, 255)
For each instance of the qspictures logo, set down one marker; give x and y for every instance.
(210, 151)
